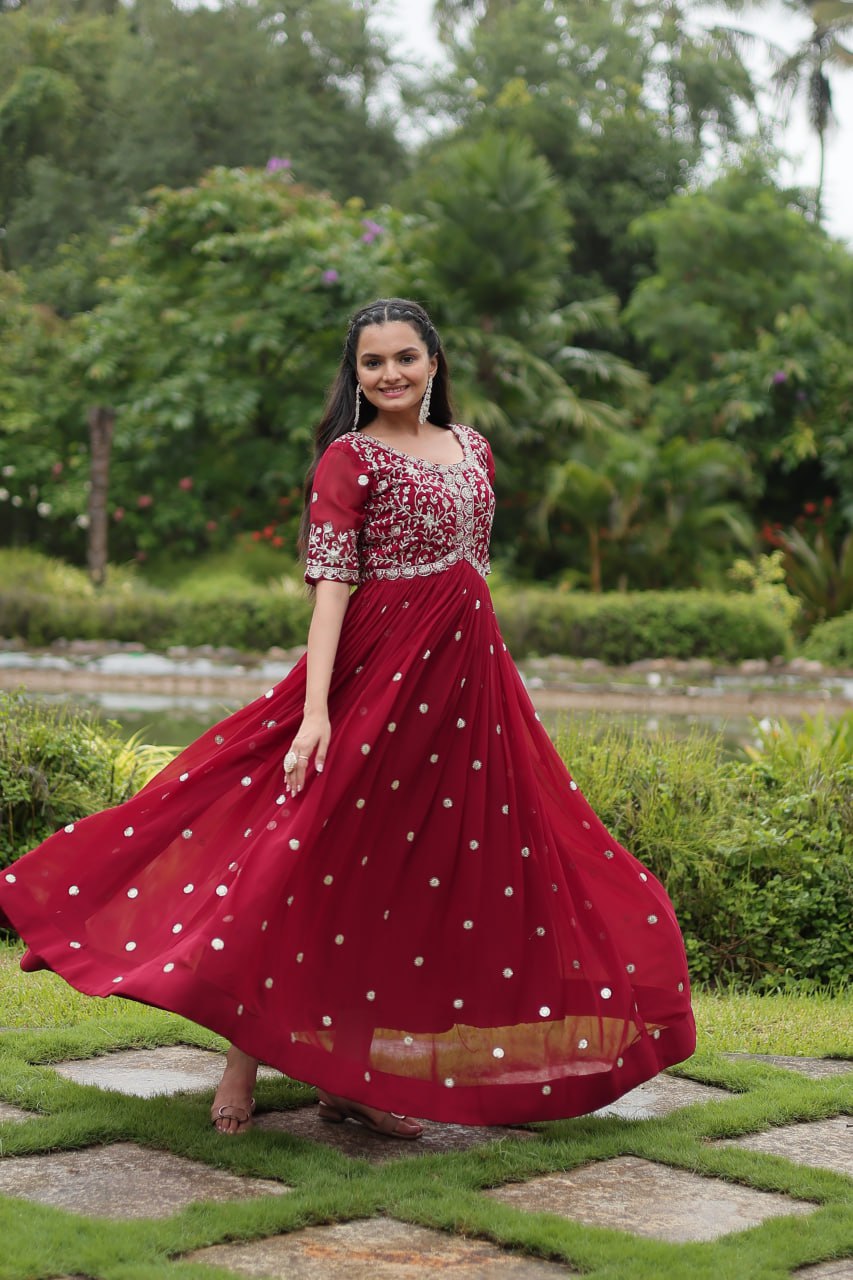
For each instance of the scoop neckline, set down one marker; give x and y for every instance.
(415, 457)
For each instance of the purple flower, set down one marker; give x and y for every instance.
(331, 276)
(275, 163)
(372, 230)
(779, 377)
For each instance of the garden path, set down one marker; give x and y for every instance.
(757, 1145)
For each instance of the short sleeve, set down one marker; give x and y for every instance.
(490, 462)
(338, 498)
(483, 452)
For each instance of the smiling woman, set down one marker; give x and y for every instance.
(423, 912)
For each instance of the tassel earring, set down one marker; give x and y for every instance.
(357, 405)
(423, 412)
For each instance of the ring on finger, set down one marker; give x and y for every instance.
(290, 761)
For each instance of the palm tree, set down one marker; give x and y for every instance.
(805, 70)
(449, 14)
(674, 505)
(495, 236)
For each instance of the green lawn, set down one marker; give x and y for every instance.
(46, 1021)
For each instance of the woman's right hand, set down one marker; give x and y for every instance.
(312, 739)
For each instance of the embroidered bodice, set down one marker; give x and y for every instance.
(377, 512)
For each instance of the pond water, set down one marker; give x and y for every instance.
(169, 699)
(172, 720)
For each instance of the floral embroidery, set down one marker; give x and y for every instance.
(332, 554)
(412, 518)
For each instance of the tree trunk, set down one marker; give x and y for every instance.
(818, 209)
(101, 422)
(594, 559)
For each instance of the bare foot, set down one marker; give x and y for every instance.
(233, 1104)
(336, 1109)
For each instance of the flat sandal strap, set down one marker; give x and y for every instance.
(231, 1112)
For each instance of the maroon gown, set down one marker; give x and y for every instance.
(438, 924)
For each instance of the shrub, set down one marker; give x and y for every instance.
(621, 628)
(57, 765)
(756, 854)
(832, 642)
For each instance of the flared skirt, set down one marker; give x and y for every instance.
(438, 924)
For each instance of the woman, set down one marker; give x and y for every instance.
(423, 913)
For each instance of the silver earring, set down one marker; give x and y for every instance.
(423, 412)
(357, 405)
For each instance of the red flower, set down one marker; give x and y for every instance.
(256, 535)
(827, 502)
(810, 508)
(144, 500)
(185, 483)
(56, 469)
(118, 514)
(278, 541)
(269, 530)
(211, 526)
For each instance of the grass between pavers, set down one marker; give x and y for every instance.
(441, 1191)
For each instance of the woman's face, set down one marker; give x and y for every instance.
(392, 364)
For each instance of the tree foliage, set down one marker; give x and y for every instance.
(101, 106)
(655, 335)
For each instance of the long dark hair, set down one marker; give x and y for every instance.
(339, 411)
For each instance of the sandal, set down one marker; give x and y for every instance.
(233, 1111)
(336, 1110)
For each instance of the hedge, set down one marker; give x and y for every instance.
(617, 628)
(251, 620)
(625, 627)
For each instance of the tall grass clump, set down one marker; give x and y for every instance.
(58, 765)
(756, 853)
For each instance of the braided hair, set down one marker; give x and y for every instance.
(339, 411)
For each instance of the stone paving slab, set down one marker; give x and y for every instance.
(374, 1249)
(8, 1112)
(660, 1097)
(124, 1181)
(147, 1073)
(649, 1199)
(355, 1140)
(816, 1068)
(826, 1144)
(840, 1269)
